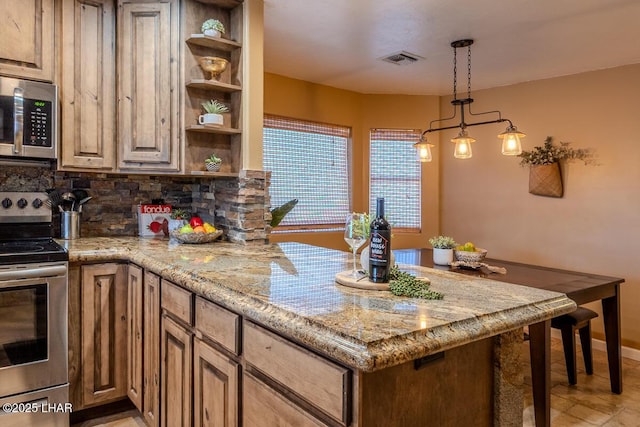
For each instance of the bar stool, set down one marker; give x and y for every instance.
(568, 323)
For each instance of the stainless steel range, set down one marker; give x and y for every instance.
(33, 315)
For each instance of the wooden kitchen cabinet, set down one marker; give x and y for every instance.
(104, 327)
(215, 390)
(151, 350)
(28, 42)
(88, 94)
(176, 356)
(307, 380)
(135, 287)
(148, 77)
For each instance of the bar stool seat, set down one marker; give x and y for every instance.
(568, 324)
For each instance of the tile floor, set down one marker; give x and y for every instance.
(589, 403)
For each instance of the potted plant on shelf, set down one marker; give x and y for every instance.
(545, 177)
(212, 28)
(442, 249)
(213, 113)
(213, 163)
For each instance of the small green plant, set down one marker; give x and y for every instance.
(212, 24)
(213, 159)
(549, 153)
(179, 213)
(442, 242)
(214, 107)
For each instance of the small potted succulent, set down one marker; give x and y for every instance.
(213, 113)
(442, 249)
(213, 163)
(212, 28)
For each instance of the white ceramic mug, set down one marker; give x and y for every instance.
(210, 119)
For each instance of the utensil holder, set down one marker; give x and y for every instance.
(70, 226)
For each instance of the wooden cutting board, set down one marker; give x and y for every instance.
(344, 278)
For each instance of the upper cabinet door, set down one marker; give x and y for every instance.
(27, 46)
(148, 85)
(88, 84)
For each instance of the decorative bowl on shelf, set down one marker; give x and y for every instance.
(195, 238)
(214, 65)
(468, 256)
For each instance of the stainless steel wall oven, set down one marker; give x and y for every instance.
(33, 314)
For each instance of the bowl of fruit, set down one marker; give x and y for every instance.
(469, 253)
(196, 231)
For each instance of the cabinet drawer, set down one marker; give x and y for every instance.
(218, 324)
(263, 406)
(320, 382)
(177, 301)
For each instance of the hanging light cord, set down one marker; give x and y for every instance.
(467, 101)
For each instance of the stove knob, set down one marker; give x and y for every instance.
(22, 203)
(6, 203)
(37, 203)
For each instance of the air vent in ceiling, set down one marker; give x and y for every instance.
(402, 58)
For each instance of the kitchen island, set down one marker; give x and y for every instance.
(399, 360)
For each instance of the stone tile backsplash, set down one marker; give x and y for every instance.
(239, 206)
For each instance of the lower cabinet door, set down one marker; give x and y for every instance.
(104, 329)
(175, 385)
(263, 406)
(151, 352)
(215, 388)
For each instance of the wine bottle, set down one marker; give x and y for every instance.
(380, 247)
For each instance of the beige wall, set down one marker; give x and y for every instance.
(595, 227)
(303, 100)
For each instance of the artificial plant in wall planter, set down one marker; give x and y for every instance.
(545, 175)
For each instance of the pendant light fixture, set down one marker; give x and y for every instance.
(510, 137)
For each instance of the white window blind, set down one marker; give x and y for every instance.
(395, 174)
(310, 162)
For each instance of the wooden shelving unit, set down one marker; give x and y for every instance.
(201, 140)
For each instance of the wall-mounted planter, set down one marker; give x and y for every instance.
(546, 180)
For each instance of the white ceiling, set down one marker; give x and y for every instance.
(339, 42)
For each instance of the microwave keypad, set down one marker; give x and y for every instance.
(37, 123)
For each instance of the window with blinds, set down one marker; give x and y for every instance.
(395, 174)
(310, 162)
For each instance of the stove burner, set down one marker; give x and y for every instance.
(20, 247)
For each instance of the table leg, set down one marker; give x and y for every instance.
(540, 351)
(611, 315)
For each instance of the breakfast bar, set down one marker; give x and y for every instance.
(397, 359)
(580, 287)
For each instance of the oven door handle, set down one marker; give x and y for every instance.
(33, 273)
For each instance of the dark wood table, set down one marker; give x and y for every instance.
(580, 287)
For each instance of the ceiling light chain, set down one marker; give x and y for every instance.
(510, 137)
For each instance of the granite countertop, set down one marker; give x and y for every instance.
(290, 288)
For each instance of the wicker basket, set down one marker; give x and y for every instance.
(546, 180)
(468, 256)
(195, 238)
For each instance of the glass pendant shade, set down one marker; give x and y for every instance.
(423, 149)
(462, 149)
(511, 141)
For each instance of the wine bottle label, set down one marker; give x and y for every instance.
(379, 249)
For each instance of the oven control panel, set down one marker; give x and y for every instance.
(24, 207)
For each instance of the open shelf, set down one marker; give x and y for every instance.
(213, 85)
(218, 174)
(213, 42)
(213, 129)
(222, 3)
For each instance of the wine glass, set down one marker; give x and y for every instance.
(355, 234)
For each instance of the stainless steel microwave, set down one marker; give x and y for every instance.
(28, 119)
